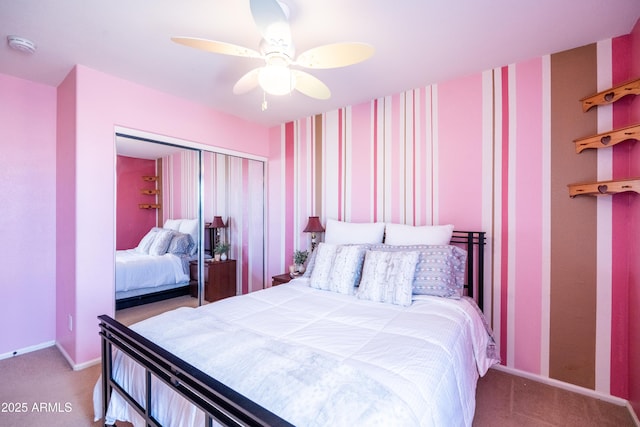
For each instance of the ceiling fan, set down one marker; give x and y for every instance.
(277, 77)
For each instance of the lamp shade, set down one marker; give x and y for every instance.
(313, 226)
(217, 222)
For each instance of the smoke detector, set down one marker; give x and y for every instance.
(21, 44)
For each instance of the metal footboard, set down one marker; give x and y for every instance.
(217, 401)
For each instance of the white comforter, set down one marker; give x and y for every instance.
(320, 358)
(135, 270)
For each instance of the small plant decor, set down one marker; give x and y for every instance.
(221, 248)
(299, 257)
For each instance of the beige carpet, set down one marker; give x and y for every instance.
(52, 394)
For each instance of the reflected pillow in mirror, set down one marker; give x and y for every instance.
(190, 226)
(161, 242)
(172, 224)
(181, 243)
(147, 241)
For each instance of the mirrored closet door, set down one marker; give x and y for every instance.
(156, 182)
(222, 195)
(233, 190)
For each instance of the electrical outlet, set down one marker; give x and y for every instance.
(70, 323)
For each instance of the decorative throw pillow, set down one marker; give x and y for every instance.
(161, 242)
(146, 241)
(310, 263)
(337, 268)
(388, 277)
(439, 270)
(180, 244)
(322, 268)
(401, 234)
(190, 226)
(346, 269)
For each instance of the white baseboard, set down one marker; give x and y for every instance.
(77, 366)
(27, 349)
(571, 387)
(563, 385)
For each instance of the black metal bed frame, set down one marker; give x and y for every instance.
(473, 240)
(152, 297)
(216, 400)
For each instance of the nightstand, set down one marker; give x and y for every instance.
(280, 279)
(219, 279)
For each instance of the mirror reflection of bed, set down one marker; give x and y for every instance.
(162, 233)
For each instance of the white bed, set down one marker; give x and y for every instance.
(375, 335)
(159, 263)
(419, 364)
(139, 272)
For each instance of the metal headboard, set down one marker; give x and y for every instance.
(474, 242)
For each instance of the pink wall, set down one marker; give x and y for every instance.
(132, 222)
(147, 110)
(66, 232)
(28, 193)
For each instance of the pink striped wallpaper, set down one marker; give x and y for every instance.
(479, 152)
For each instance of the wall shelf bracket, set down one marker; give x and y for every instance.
(608, 139)
(611, 95)
(602, 188)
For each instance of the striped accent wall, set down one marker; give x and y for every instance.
(494, 152)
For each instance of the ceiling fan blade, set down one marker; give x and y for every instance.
(310, 85)
(335, 55)
(272, 19)
(217, 47)
(247, 82)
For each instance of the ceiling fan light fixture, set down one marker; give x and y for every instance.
(276, 79)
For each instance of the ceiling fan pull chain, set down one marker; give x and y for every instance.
(264, 101)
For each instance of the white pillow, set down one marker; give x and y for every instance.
(172, 224)
(388, 277)
(341, 233)
(147, 241)
(190, 226)
(161, 242)
(400, 234)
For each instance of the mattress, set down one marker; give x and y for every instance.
(317, 357)
(139, 271)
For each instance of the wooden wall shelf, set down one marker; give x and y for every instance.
(603, 188)
(608, 139)
(151, 192)
(611, 95)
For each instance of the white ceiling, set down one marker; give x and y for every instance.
(417, 42)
